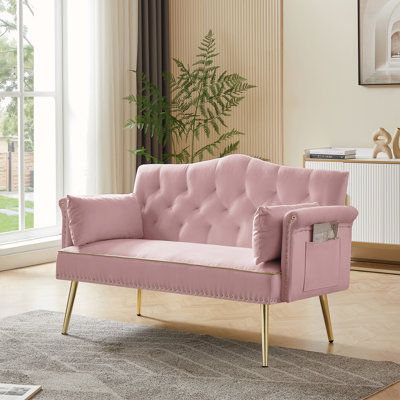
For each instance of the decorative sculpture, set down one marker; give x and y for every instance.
(382, 139)
(396, 144)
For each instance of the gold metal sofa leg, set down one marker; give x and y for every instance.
(70, 305)
(264, 333)
(138, 302)
(327, 317)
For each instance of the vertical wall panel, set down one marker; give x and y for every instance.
(249, 39)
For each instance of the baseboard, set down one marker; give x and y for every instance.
(32, 252)
(376, 253)
(377, 267)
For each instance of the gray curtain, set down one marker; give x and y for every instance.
(153, 60)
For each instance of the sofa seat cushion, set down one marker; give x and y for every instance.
(188, 268)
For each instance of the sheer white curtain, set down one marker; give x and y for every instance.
(100, 49)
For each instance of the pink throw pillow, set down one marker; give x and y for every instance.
(104, 217)
(267, 230)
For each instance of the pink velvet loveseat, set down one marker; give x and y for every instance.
(197, 237)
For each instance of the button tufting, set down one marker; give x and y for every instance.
(219, 193)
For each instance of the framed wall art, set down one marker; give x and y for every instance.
(379, 42)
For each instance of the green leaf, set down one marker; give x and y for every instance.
(214, 104)
(229, 149)
(203, 110)
(215, 126)
(145, 153)
(206, 130)
(221, 121)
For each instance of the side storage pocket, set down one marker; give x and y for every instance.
(322, 264)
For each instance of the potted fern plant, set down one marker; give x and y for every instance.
(201, 97)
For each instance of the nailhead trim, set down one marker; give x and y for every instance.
(203, 293)
(285, 274)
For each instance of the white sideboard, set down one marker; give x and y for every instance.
(374, 189)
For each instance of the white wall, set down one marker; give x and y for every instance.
(323, 104)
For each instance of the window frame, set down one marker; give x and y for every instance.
(21, 94)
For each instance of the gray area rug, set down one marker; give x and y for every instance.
(110, 360)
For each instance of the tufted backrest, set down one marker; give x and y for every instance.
(214, 201)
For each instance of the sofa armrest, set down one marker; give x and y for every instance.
(310, 268)
(305, 217)
(66, 239)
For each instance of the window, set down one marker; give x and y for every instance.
(30, 118)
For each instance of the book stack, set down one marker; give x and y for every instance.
(332, 153)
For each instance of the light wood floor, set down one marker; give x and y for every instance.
(366, 318)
